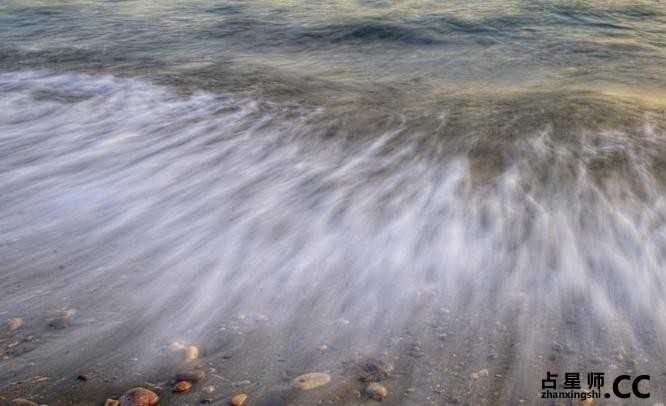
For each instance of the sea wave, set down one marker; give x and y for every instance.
(159, 214)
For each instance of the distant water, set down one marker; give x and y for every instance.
(448, 185)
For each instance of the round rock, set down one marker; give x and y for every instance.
(193, 376)
(191, 353)
(139, 397)
(14, 324)
(311, 380)
(182, 386)
(239, 400)
(376, 391)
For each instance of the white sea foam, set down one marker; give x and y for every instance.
(171, 212)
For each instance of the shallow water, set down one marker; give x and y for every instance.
(448, 186)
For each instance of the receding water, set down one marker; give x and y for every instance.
(447, 186)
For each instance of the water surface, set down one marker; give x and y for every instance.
(449, 186)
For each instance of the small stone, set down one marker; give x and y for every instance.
(209, 389)
(63, 320)
(112, 402)
(193, 376)
(182, 386)
(479, 374)
(376, 391)
(176, 346)
(557, 347)
(323, 348)
(311, 380)
(14, 324)
(83, 378)
(239, 400)
(416, 351)
(139, 397)
(22, 402)
(374, 370)
(191, 353)
(587, 402)
(443, 336)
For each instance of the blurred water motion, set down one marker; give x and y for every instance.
(450, 186)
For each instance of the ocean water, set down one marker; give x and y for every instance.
(447, 186)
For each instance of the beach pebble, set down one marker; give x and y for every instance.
(479, 374)
(139, 397)
(112, 402)
(323, 348)
(182, 386)
(311, 380)
(22, 402)
(374, 370)
(14, 324)
(557, 347)
(239, 400)
(191, 353)
(586, 402)
(193, 376)
(416, 350)
(176, 346)
(63, 320)
(376, 391)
